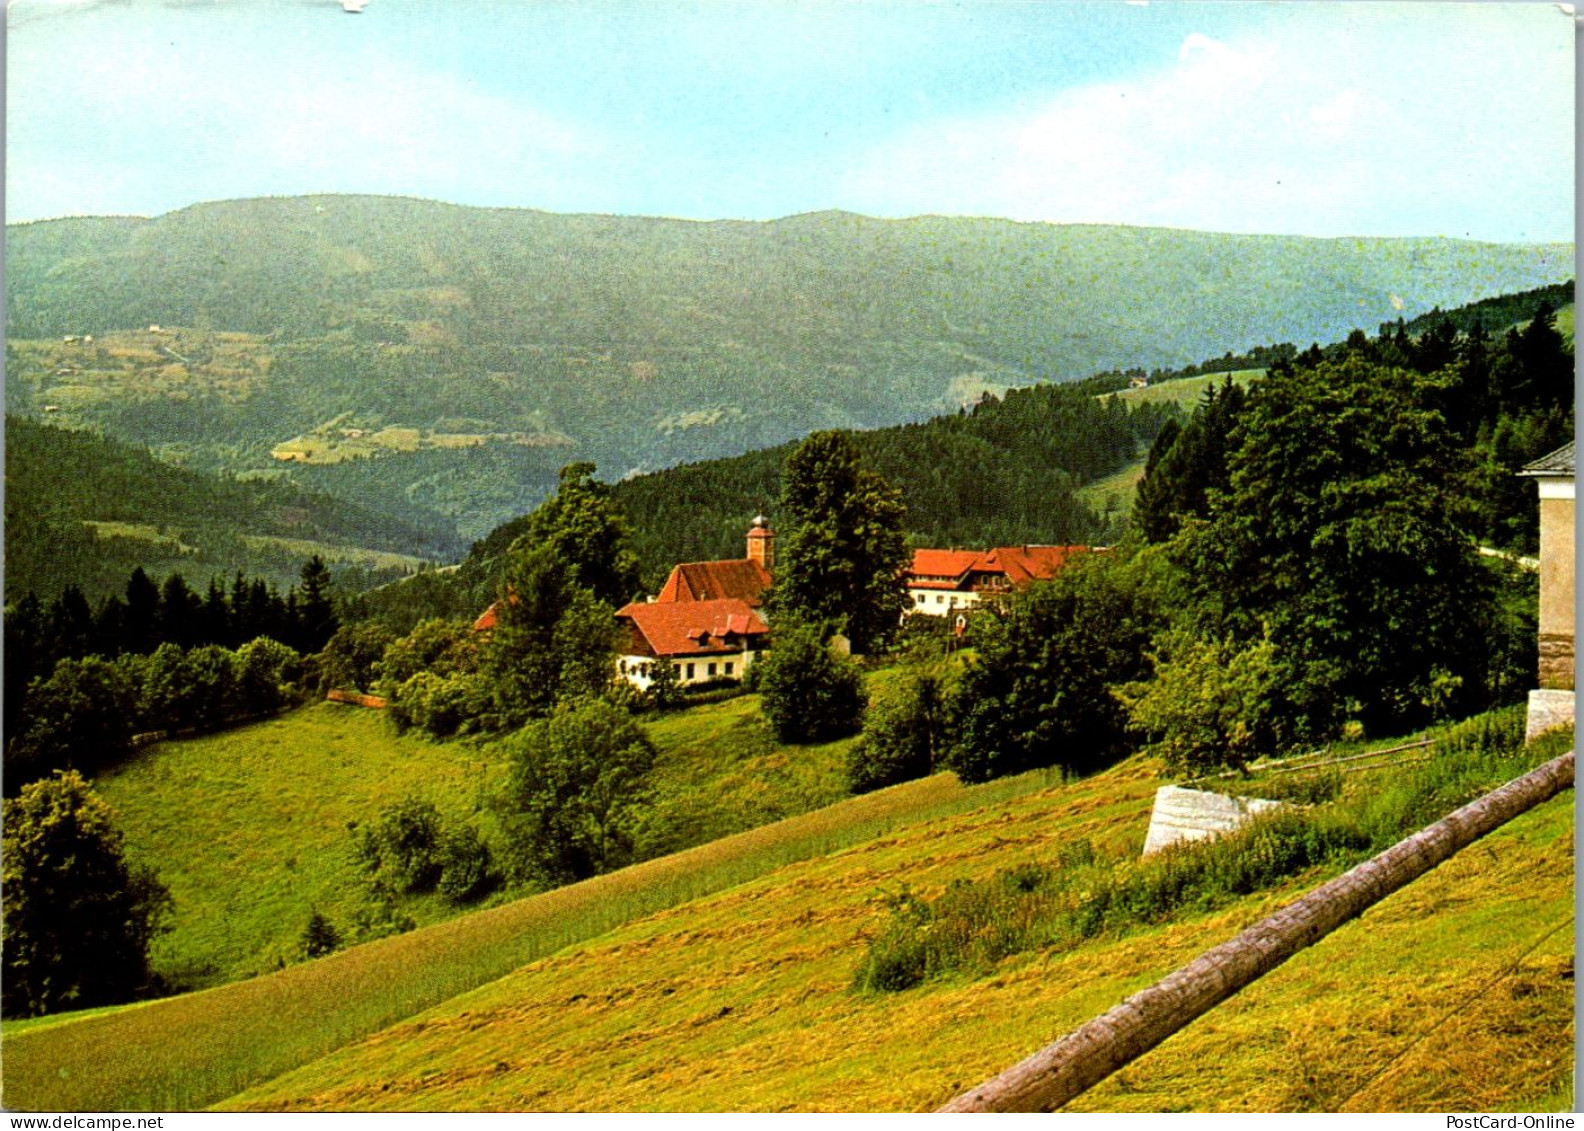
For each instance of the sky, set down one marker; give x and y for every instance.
(1392, 118)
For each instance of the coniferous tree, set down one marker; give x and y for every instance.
(315, 614)
(179, 621)
(141, 622)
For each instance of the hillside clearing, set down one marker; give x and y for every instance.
(1184, 391)
(250, 829)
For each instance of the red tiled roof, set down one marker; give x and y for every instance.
(943, 563)
(1018, 564)
(741, 579)
(1023, 564)
(691, 628)
(486, 620)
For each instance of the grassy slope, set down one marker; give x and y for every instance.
(742, 1001)
(188, 1051)
(249, 828)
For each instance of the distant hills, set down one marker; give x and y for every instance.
(440, 362)
(83, 510)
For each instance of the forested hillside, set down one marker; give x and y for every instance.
(438, 360)
(83, 510)
(1005, 472)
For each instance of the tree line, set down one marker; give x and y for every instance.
(80, 681)
(1304, 565)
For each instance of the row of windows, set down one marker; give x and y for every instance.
(713, 669)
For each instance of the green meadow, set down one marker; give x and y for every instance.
(252, 828)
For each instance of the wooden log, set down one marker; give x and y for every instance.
(1072, 1065)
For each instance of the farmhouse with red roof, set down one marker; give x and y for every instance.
(705, 621)
(703, 640)
(943, 582)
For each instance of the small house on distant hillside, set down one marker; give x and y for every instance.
(1552, 703)
(943, 582)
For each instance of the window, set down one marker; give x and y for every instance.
(728, 667)
(923, 597)
(711, 670)
(939, 599)
(690, 671)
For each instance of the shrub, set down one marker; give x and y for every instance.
(809, 694)
(440, 705)
(265, 672)
(1039, 693)
(402, 847)
(902, 730)
(320, 937)
(78, 919)
(665, 686)
(466, 865)
(577, 781)
(1210, 705)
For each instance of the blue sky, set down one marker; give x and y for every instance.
(1324, 119)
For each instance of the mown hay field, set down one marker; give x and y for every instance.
(1454, 994)
(196, 1049)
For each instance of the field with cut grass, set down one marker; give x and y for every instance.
(193, 1050)
(1452, 994)
(620, 994)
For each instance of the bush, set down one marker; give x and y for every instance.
(320, 937)
(577, 781)
(78, 919)
(901, 732)
(1210, 705)
(439, 705)
(809, 694)
(265, 674)
(402, 847)
(1039, 693)
(665, 686)
(466, 866)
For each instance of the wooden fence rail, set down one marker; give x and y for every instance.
(1072, 1065)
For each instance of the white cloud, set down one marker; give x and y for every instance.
(1332, 133)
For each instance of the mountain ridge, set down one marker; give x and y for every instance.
(642, 342)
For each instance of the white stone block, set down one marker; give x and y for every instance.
(1548, 709)
(1193, 814)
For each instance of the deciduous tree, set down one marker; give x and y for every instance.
(577, 779)
(78, 919)
(841, 561)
